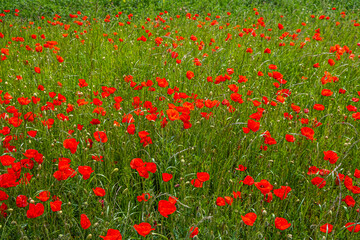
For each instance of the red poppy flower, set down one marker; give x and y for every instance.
(35, 210)
(331, 156)
(272, 66)
(151, 167)
(143, 134)
(64, 173)
(249, 218)
(83, 83)
(44, 196)
(281, 223)
(56, 206)
(71, 144)
(193, 232)
(100, 136)
(249, 50)
(348, 182)
(269, 141)
(189, 75)
(85, 171)
(143, 172)
(253, 126)
(167, 177)
(3, 196)
(342, 91)
(355, 190)
(32, 133)
(326, 228)
(319, 182)
(203, 176)
(356, 116)
(326, 92)
(8, 180)
(172, 114)
(166, 207)
(349, 200)
(331, 62)
(220, 201)
(289, 138)
(7, 160)
(282, 192)
(236, 97)
(264, 186)
(21, 201)
(241, 168)
(197, 183)
(112, 234)
(95, 121)
(143, 229)
(3, 209)
(319, 107)
(100, 192)
(357, 173)
(84, 221)
(308, 133)
(136, 163)
(59, 58)
(228, 200)
(248, 180)
(37, 69)
(143, 197)
(131, 129)
(353, 227)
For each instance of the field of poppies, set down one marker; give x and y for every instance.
(180, 124)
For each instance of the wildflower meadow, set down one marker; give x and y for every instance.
(225, 121)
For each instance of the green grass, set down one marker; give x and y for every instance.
(36, 8)
(216, 145)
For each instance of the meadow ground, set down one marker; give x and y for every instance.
(177, 120)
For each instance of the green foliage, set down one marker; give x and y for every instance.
(100, 8)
